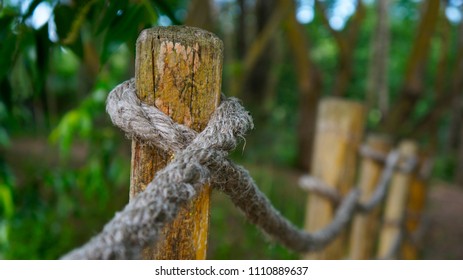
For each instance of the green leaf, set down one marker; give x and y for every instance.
(123, 29)
(64, 18)
(8, 45)
(6, 201)
(75, 123)
(167, 10)
(4, 139)
(42, 46)
(6, 98)
(4, 235)
(110, 14)
(8, 12)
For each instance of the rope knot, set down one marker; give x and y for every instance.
(142, 220)
(229, 122)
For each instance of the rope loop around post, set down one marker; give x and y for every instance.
(200, 158)
(368, 152)
(406, 165)
(318, 187)
(141, 221)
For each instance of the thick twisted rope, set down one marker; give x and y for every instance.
(199, 158)
(245, 194)
(141, 221)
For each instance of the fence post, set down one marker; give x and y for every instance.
(394, 211)
(365, 225)
(338, 134)
(414, 212)
(178, 70)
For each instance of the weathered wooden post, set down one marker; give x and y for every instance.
(365, 225)
(395, 202)
(178, 70)
(338, 134)
(414, 210)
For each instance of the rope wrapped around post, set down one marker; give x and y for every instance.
(393, 162)
(312, 184)
(141, 221)
(199, 158)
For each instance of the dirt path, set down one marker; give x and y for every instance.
(444, 237)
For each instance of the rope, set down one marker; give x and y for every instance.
(141, 221)
(144, 122)
(381, 189)
(407, 166)
(395, 247)
(257, 208)
(368, 152)
(199, 158)
(317, 186)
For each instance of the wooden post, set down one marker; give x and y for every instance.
(365, 226)
(396, 202)
(178, 70)
(338, 134)
(414, 212)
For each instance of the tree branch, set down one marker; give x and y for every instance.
(412, 86)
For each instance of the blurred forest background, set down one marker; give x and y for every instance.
(64, 169)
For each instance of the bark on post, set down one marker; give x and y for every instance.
(414, 212)
(178, 70)
(364, 226)
(396, 203)
(338, 134)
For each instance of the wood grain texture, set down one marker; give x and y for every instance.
(365, 226)
(338, 134)
(178, 70)
(396, 202)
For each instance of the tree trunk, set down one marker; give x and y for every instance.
(200, 15)
(256, 76)
(457, 115)
(377, 83)
(241, 30)
(346, 45)
(309, 85)
(413, 82)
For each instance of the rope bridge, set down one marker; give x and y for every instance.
(201, 158)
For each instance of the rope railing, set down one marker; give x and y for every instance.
(317, 186)
(395, 247)
(201, 158)
(392, 162)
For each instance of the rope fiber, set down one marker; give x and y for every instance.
(199, 158)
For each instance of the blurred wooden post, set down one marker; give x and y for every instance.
(396, 201)
(178, 70)
(414, 212)
(365, 226)
(338, 134)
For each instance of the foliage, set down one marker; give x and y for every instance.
(82, 51)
